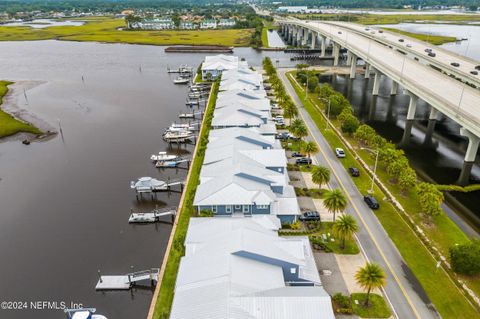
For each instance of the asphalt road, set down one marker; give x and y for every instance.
(403, 291)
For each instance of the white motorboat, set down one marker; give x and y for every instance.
(163, 156)
(178, 136)
(83, 313)
(148, 184)
(181, 80)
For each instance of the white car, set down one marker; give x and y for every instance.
(275, 106)
(339, 152)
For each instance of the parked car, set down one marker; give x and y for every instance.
(409, 45)
(275, 106)
(428, 50)
(354, 171)
(367, 29)
(303, 160)
(280, 123)
(339, 32)
(477, 67)
(474, 72)
(297, 154)
(380, 31)
(401, 40)
(308, 216)
(416, 59)
(432, 54)
(455, 64)
(371, 201)
(340, 152)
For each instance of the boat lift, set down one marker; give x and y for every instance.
(152, 217)
(125, 282)
(149, 185)
(190, 115)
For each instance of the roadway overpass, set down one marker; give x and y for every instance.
(416, 49)
(446, 95)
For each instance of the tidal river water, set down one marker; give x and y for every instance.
(65, 202)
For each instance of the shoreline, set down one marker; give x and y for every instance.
(12, 106)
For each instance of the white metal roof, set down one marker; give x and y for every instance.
(214, 281)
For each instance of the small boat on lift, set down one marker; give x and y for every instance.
(83, 313)
(181, 80)
(152, 217)
(148, 184)
(178, 136)
(172, 163)
(163, 156)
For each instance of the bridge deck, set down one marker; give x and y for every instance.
(451, 97)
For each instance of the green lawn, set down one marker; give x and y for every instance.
(351, 247)
(104, 29)
(266, 25)
(433, 39)
(445, 295)
(8, 124)
(393, 19)
(165, 297)
(377, 307)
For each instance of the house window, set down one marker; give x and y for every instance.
(214, 209)
(228, 209)
(238, 207)
(262, 206)
(246, 208)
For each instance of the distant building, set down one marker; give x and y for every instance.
(226, 23)
(154, 24)
(293, 9)
(240, 268)
(187, 25)
(214, 65)
(127, 12)
(208, 24)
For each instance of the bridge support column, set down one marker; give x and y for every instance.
(349, 57)
(298, 37)
(367, 71)
(470, 155)
(314, 40)
(412, 106)
(376, 83)
(353, 67)
(336, 53)
(323, 46)
(407, 133)
(432, 121)
(394, 89)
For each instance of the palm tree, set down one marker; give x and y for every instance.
(298, 128)
(290, 110)
(335, 201)
(370, 277)
(310, 148)
(320, 175)
(345, 227)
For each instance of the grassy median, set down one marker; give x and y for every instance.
(8, 124)
(433, 39)
(442, 291)
(167, 288)
(105, 29)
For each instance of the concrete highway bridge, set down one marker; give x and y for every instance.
(449, 90)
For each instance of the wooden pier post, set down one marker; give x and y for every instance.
(100, 276)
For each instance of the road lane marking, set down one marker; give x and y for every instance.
(358, 211)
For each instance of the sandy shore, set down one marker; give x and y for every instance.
(15, 103)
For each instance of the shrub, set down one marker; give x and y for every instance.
(342, 304)
(206, 213)
(465, 259)
(350, 123)
(296, 225)
(430, 199)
